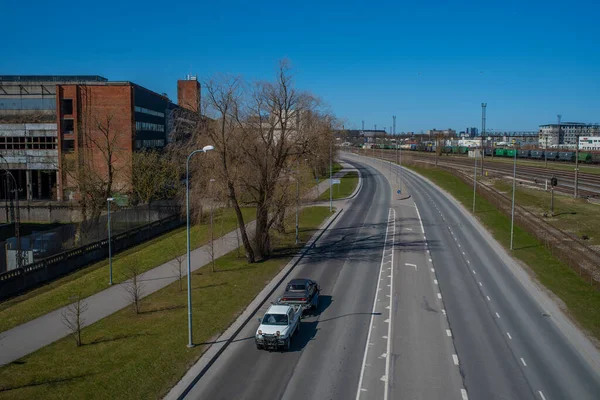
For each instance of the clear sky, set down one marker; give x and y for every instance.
(430, 63)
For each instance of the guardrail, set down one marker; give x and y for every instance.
(19, 280)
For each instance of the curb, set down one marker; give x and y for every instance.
(213, 352)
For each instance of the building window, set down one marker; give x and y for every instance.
(68, 146)
(67, 126)
(67, 106)
(149, 143)
(149, 112)
(28, 143)
(148, 126)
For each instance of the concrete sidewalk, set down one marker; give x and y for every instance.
(33, 335)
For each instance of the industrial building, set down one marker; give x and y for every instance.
(564, 135)
(50, 125)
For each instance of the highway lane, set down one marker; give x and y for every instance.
(327, 352)
(506, 346)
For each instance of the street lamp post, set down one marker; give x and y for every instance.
(475, 180)
(110, 280)
(331, 176)
(189, 264)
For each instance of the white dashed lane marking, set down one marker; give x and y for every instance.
(455, 358)
(523, 361)
(508, 334)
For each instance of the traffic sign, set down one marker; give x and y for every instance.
(399, 191)
(335, 181)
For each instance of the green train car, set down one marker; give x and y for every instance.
(500, 152)
(585, 157)
(510, 152)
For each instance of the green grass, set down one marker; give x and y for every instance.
(346, 187)
(129, 356)
(94, 278)
(582, 300)
(335, 167)
(576, 216)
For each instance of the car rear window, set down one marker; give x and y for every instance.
(296, 288)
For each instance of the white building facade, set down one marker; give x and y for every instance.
(589, 143)
(565, 135)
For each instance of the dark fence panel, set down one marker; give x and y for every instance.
(20, 280)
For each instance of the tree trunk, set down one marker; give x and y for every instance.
(262, 237)
(238, 212)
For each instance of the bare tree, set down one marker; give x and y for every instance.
(154, 175)
(133, 285)
(178, 252)
(72, 317)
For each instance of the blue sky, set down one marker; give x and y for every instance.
(429, 63)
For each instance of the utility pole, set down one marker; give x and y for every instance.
(394, 125)
(483, 109)
(363, 125)
(512, 218)
(576, 165)
(331, 176)
(474, 182)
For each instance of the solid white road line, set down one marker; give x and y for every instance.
(463, 393)
(420, 221)
(389, 342)
(523, 361)
(362, 370)
(455, 358)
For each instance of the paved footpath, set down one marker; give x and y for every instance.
(35, 334)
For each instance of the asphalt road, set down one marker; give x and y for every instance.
(416, 304)
(327, 353)
(507, 347)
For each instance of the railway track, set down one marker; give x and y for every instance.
(588, 184)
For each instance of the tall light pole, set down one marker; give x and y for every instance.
(297, 198)
(475, 180)
(110, 281)
(331, 176)
(483, 110)
(512, 218)
(189, 264)
(576, 165)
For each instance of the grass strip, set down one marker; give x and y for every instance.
(581, 299)
(575, 216)
(93, 279)
(129, 356)
(346, 187)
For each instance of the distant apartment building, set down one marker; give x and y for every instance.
(446, 132)
(565, 135)
(472, 132)
(589, 143)
(50, 125)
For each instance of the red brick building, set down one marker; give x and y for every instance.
(85, 123)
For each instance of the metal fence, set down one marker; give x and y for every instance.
(44, 244)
